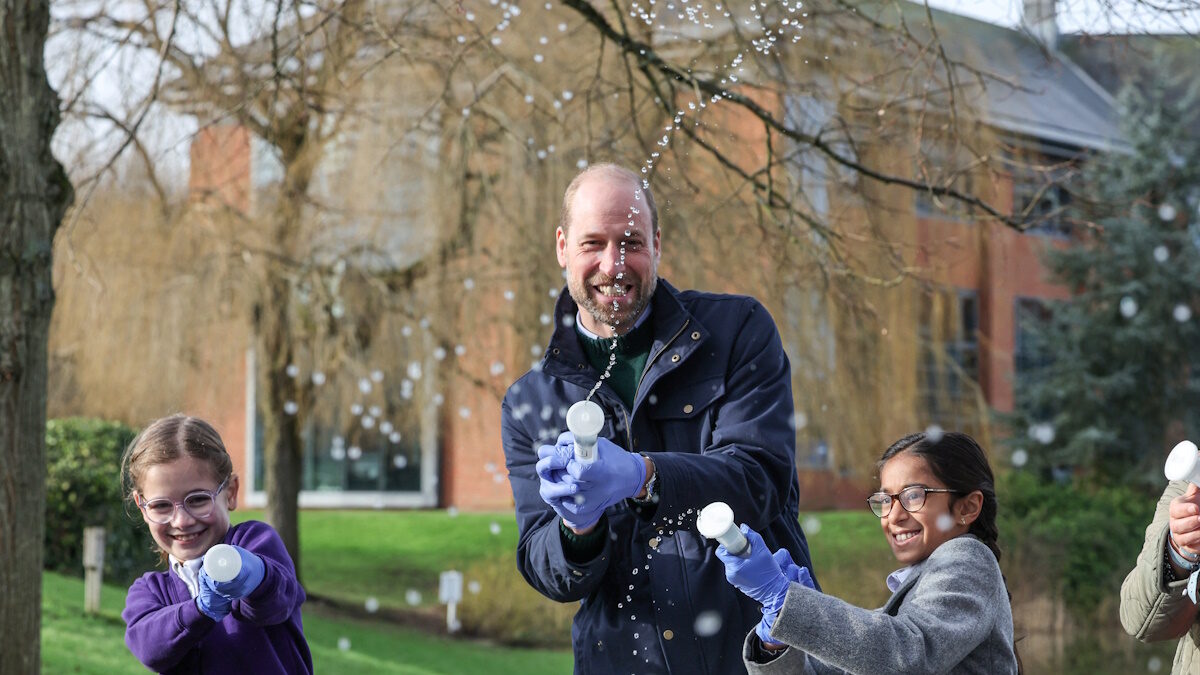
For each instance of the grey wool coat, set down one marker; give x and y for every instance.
(1151, 610)
(951, 615)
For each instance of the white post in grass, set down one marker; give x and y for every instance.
(93, 568)
(450, 588)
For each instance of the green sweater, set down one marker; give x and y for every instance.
(632, 349)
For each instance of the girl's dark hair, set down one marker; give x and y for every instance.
(958, 461)
(170, 438)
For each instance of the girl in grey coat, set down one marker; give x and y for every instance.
(949, 611)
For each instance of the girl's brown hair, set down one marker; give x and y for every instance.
(170, 438)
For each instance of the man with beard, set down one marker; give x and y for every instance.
(696, 391)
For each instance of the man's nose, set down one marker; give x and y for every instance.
(610, 260)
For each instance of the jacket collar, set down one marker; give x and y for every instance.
(564, 356)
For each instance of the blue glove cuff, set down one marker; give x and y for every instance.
(764, 627)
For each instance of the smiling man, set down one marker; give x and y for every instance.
(696, 391)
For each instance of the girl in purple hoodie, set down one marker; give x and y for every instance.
(181, 620)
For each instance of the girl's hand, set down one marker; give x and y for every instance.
(212, 604)
(248, 578)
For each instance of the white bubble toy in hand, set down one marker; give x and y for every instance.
(1184, 463)
(716, 522)
(585, 419)
(222, 563)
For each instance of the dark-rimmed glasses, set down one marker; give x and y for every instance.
(912, 498)
(199, 505)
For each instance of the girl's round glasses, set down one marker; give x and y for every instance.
(911, 498)
(199, 505)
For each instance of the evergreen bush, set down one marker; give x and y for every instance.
(83, 489)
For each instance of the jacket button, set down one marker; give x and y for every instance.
(674, 358)
(577, 573)
(555, 351)
(696, 335)
(687, 408)
(581, 366)
(668, 634)
(654, 542)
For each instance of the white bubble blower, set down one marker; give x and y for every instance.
(222, 563)
(716, 522)
(585, 420)
(1184, 463)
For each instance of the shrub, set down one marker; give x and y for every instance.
(1079, 542)
(83, 489)
(508, 610)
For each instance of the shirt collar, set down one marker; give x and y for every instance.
(898, 578)
(188, 571)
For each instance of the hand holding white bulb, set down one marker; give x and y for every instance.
(716, 522)
(585, 419)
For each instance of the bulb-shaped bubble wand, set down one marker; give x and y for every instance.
(716, 522)
(585, 419)
(1184, 463)
(222, 563)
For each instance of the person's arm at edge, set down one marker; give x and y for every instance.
(159, 634)
(1151, 611)
(541, 557)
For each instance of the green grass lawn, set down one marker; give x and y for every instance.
(73, 643)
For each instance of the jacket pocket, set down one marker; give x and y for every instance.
(683, 416)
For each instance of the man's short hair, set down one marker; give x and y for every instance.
(611, 170)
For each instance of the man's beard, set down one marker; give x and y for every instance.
(629, 309)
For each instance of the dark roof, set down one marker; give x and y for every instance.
(1028, 90)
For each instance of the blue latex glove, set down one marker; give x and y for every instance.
(760, 575)
(248, 578)
(557, 487)
(616, 475)
(211, 603)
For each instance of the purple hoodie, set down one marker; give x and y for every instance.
(167, 632)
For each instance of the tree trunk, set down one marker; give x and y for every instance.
(281, 431)
(34, 194)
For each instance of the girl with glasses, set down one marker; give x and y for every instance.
(181, 620)
(949, 611)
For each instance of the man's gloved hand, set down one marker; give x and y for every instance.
(557, 487)
(760, 575)
(614, 476)
(211, 603)
(248, 578)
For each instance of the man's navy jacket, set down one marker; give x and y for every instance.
(714, 412)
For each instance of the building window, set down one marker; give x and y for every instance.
(949, 360)
(359, 449)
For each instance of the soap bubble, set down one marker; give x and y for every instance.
(464, 412)
(469, 283)
(945, 522)
(318, 378)
(344, 644)
(375, 411)
(934, 433)
(292, 370)
(497, 368)
(439, 353)
(377, 375)
(364, 385)
(412, 596)
(372, 605)
(494, 528)
(1019, 457)
(400, 461)
(338, 453)
(385, 428)
(1166, 212)
(452, 511)
(1154, 664)
(473, 587)
(368, 421)
(1161, 253)
(811, 525)
(1129, 307)
(708, 623)
(1042, 433)
(290, 407)
(509, 295)
(799, 420)
(459, 350)
(1182, 313)
(356, 409)
(354, 452)
(414, 370)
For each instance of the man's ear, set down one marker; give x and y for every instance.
(560, 246)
